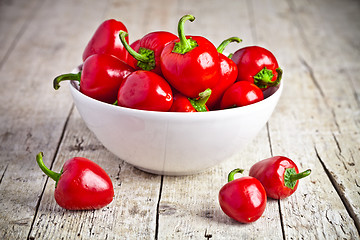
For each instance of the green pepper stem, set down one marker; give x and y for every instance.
(184, 45)
(67, 76)
(132, 52)
(226, 42)
(233, 172)
(295, 177)
(264, 77)
(200, 103)
(53, 175)
(278, 79)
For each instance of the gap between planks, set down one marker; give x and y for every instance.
(339, 192)
(51, 166)
(19, 34)
(278, 201)
(310, 70)
(158, 209)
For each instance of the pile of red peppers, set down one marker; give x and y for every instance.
(167, 72)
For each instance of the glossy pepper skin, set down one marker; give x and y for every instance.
(228, 74)
(185, 104)
(279, 175)
(241, 94)
(191, 63)
(81, 184)
(257, 65)
(100, 78)
(243, 199)
(145, 90)
(106, 40)
(146, 56)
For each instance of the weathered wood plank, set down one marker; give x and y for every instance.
(32, 114)
(340, 94)
(304, 130)
(132, 213)
(341, 97)
(151, 16)
(315, 124)
(14, 18)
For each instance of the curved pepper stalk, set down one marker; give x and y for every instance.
(145, 57)
(233, 172)
(184, 45)
(200, 103)
(64, 77)
(226, 42)
(53, 175)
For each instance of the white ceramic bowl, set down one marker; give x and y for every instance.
(172, 143)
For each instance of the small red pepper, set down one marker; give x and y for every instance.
(106, 40)
(145, 90)
(100, 78)
(241, 94)
(149, 48)
(242, 199)
(191, 63)
(279, 175)
(257, 65)
(228, 74)
(81, 184)
(185, 104)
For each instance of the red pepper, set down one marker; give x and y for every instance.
(279, 175)
(81, 184)
(145, 90)
(190, 63)
(228, 74)
(241, 94)
(257, 65)
(100, 78)
(242, 199)
(147, 57)
(185, 104)
(106, 40)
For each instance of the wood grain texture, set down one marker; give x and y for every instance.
(136, 195)
(316, 122)
(311, 122)
(14, 19)
(32, 114)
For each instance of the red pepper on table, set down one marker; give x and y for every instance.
(257, 65)
(242, 199)
(190, 63)
(145, 90)
(185, 104)
(279, 175)
(100, 78)
(106, 41)
(241, 94)
(228, 74)
(147, 57)
(81, 184)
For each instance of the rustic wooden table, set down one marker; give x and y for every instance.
(316, 122)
